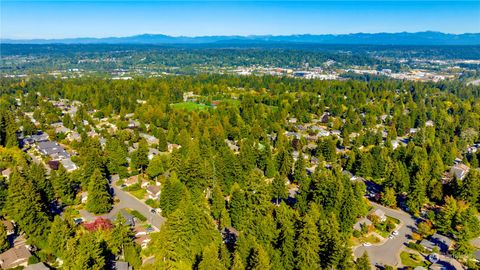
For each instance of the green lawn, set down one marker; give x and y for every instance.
(394, 220)
(189, 106)
(412, 259)
(139, 193)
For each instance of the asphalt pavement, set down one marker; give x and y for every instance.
(126, 200)
(388, 253)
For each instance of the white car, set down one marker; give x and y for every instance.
(366, 244)
(391, 236)
(395, 233)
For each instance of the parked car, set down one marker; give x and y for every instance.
(366, 244)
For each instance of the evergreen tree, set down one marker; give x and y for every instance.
(99, 199)
(363, 263)
(470, 189)
(155, 167)
(84, 252)
(37, 175)
(286, 237)
(62, 186)
(258, 259)
(237, 262)
(300, 172)
(218, 202)
(172, 194)
(279, 188)
(162, 142)
(140, 156)
(389, 198)
(60, 233)
(24, 205)
(4, 243)
(307, 245)
(210, 259)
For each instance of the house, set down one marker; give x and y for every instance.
(428, 245)
(74, 136)
(395, 144)
(48, 148)
(429, 123)
(444, 243)
(337, 133)
(9, 226)
(459, 171)
(62, 129)
(153, 192)
(41, 137)
(16, 256)
(476, 255)
(173, 146)
(6, 173)
(143, 240)
(139, 231)
(149, 138)
(364, 222)
(37, 266)
(69, 165)
(121, 266)
(132, 180)
(380, 214)
(152, 152)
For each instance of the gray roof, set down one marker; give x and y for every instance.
(427, 244)
(37, 266)
(121, 266)
(441, 239)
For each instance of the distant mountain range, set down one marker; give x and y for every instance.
(404, 38)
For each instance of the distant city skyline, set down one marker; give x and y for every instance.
(21, 19)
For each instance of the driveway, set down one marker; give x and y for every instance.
(128, 201)
(389, 252)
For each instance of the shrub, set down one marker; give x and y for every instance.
(139, 216)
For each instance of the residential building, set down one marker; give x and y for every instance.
(380, 214)
(9, 226)
(153, 192)
(37, 266)
(428, 245)
(444, 243)
(121, 266)
(364, 222)
(16, 256)
(459, 171)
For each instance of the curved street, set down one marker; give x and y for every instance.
(389, 252)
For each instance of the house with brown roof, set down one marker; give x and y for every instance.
(9, 226)
(17, 256)
(153, 192)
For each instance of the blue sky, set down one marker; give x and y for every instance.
(22, 19)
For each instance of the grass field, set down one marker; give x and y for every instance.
(412, 259)
(189, 106)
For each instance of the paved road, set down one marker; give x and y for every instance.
(388, 253)
(128, 201)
